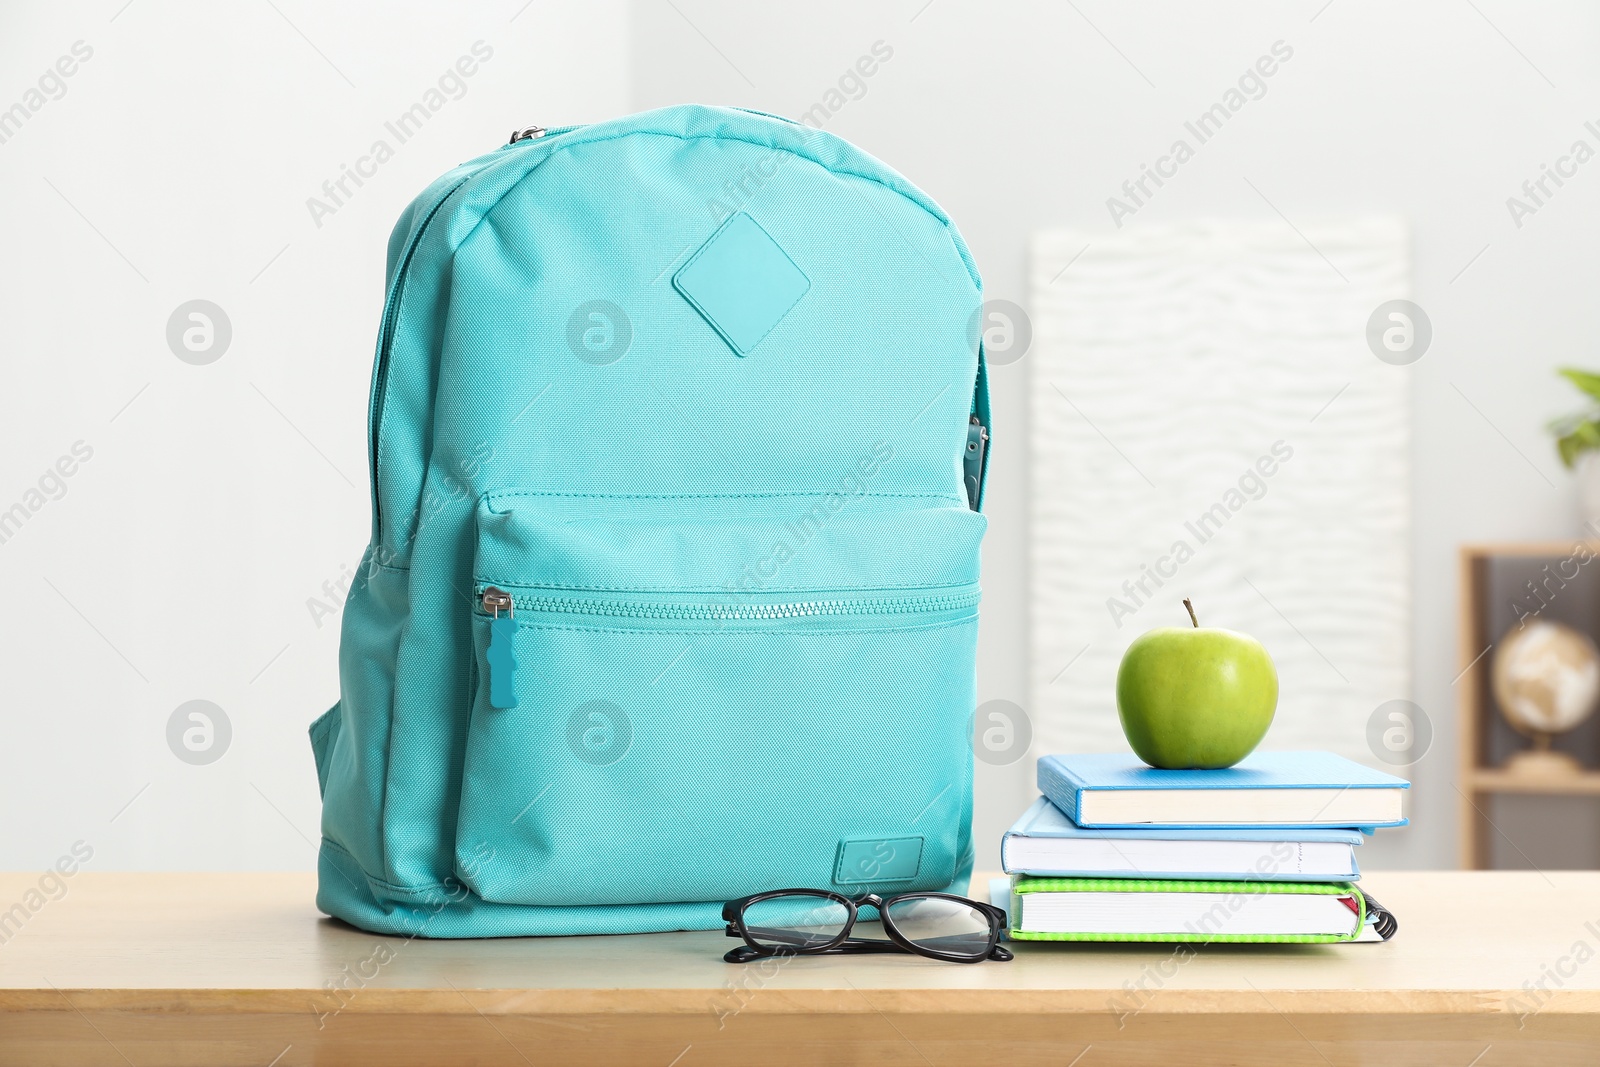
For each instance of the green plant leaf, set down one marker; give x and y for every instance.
(1568, 447)
(1584, 380)
(1579, 438)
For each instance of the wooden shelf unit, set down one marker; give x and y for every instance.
(1501, 781)
(1476, 780)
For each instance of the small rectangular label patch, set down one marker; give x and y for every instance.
(878, 859)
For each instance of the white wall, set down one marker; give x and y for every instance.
(219, 498)
(1017, 116)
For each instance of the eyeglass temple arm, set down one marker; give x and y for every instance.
(767, 933)
(850, 947)
(787, 937)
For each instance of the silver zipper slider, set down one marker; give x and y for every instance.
(526, 134)
(500, 658)
(497, 600)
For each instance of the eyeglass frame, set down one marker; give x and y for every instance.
(843, 944)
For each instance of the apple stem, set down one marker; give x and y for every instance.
(1191, 613)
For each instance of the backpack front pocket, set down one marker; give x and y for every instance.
(708, 697)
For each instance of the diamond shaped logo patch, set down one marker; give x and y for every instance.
(741, 282)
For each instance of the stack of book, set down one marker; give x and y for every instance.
(1261, 851)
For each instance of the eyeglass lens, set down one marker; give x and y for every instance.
(795, 921)
(941, 925)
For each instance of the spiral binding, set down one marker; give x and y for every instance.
(1383, 920)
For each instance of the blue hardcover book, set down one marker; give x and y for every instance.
(1282, 789)
(1045, 843)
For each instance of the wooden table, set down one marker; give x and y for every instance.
(222, 969)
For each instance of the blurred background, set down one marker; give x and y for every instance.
(1367, 253)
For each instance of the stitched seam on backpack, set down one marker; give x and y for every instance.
(525, 583)
(908, 628)
(404, 890)
(562, 145)
(390, 567)
(931, 208)
(491, 497)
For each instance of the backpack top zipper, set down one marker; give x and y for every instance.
(391, 311)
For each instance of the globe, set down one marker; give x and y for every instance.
(1546, 677)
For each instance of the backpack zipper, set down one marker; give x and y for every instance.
(500, 662)
(972, 460)
(391, 309)
(495, 600)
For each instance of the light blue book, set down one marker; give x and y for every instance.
(1265, 789)
(1045, 843)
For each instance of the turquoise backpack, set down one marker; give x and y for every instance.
(677, 449)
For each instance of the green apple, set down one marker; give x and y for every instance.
(1195, 696)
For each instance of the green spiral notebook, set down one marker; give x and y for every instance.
(1134, 909)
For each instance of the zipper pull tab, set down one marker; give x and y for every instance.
(972, 461)
(501, 655)
(526, 134)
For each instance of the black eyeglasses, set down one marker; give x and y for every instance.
(792, 922)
